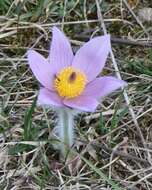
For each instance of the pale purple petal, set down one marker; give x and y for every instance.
(48, 98)
(83, 103)
(41, 68)
(92, 56)
(61, 54)
(103, 86)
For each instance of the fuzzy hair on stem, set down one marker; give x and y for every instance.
(65, 129)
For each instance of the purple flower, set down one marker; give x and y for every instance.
(71, 81)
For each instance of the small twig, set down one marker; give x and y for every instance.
(139, 181)
(129, 157)
(121, 41)
(130, 42)
(42, 26)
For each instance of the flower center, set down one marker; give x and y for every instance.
(70, 82)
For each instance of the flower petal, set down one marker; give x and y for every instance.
(92, 56)
(83, 103)
(61, 54)
(103, 86)
(40, 68)
(46, 97)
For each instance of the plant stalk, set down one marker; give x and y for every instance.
(65, 131)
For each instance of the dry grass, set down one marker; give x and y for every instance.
(114, 143)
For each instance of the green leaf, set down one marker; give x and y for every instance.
(19, 148)
(102, 127)
(28, 121)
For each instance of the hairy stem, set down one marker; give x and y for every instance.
(65, 130)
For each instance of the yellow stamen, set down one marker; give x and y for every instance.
(70, 82)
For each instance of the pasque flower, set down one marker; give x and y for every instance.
(71, 81)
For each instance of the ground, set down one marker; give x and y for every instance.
(114, 144)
